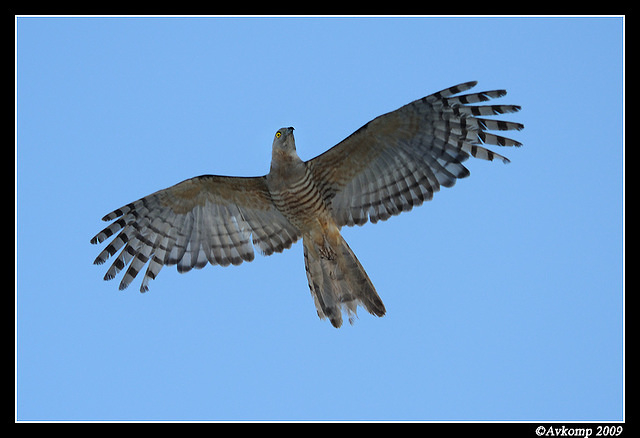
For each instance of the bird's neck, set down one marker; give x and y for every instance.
(286, 167)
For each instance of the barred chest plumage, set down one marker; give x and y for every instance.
(298, 198)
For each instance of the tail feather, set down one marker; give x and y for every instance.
(338, 282)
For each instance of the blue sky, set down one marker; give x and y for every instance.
(504, 294)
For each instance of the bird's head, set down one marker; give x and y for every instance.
(284, 143)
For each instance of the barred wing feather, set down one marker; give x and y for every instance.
(400, 159)
(206, 219)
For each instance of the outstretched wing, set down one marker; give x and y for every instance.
(398, 160)
(203, 219)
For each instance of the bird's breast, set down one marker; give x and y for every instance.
(301, 202)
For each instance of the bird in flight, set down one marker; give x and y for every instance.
(391, 164)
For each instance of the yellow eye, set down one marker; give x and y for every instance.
(278, 134)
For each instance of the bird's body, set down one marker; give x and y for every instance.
(391, 164)
(335, 276)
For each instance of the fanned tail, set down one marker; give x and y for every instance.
(338, 282)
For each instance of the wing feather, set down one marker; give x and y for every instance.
(206, 219)
(400, 159)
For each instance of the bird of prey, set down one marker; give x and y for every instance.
(391, 164)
